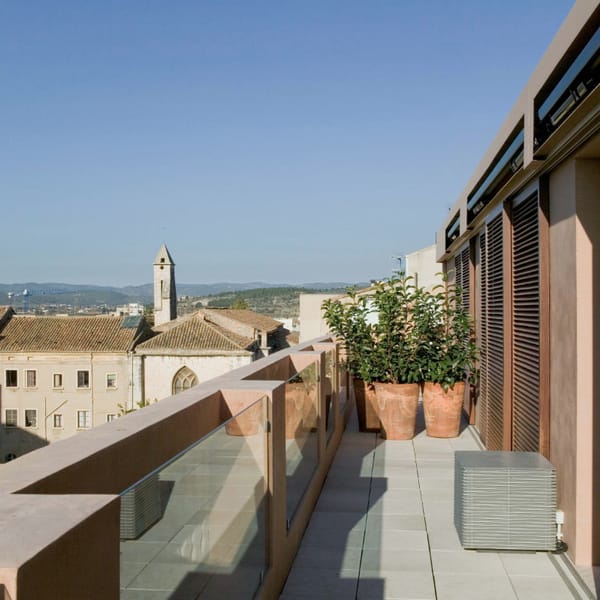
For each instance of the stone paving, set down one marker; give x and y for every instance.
(383, 529)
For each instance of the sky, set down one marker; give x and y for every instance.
(277, 141)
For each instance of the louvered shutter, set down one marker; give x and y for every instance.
(526, 326)
(492, 336)
(461, 267)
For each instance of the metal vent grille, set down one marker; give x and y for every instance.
(140, 508)
(505, 500)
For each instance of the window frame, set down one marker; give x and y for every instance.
(57, 387)
(25, 413)
(15, 411)
(60, 418)
(87, 420)
(27, 373)
(16, 373)
(87, 377)
(114, 386)
(111, 417)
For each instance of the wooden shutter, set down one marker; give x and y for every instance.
(492, 336)
(526, 326)
(461, 267)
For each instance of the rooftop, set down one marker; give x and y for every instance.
(71, 334)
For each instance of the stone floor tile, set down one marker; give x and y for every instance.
(541, 588)
(397, 585)
(466, 561)
(377, 560)
(535, 564)
(473, 586)
(311, 557)
(395, 539)
(320, 584)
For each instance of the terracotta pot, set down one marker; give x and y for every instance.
(295, 401)
(366, 406)
(247, 423)
(397, 405)
(443, 409)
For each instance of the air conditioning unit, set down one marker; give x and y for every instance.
(140, 508)
(505, 500)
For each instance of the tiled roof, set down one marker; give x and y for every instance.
(194, 333)
(68, 334)
(247, 317)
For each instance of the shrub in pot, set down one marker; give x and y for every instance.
(393, 366)
(349, 320)
(446, 356)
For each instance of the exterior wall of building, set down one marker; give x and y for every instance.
(424, 267)
(49, 401)
(159, 370)
(559, 273)
(312, 324)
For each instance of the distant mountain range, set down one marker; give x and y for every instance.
(94, 295)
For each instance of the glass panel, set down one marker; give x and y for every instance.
(330, 390)
(301, 410)
(195, 528)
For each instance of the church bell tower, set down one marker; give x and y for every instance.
(165, 295)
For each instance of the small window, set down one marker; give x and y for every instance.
(31, 417)
(111, 381)
(57, 421)
(83, 379)
(57, 381)
(11, 378)
(110, 418)
(30, 378)
(10, 417)
(84, 419)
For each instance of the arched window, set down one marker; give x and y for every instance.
(184, 379)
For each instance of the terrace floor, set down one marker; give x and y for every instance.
(383, 529)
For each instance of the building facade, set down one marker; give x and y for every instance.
(61, 375)
(523, 241)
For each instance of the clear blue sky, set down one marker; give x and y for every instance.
(298, 141)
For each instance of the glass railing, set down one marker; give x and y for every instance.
(301, 423)
(195, 527)
(330, 389)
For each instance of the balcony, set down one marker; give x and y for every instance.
(254, 484)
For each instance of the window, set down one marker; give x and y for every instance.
(111, 381)
(10, 417)
(31, 417)
(110, 418)
(57, 421)
(83, 379)
(184, 379)
(11, 378)
(84, 418)
(30, 378)
(57, 381)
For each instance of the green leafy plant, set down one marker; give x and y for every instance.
(446, 352)
(349, 321)
(377, 332)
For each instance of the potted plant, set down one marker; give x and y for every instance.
(446, 355)
(377, 336)
(393, 365)
(348, 319)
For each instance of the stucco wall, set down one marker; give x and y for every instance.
(66, 400)
(575, 352)
(563, 340)
(160, 370)
(423, 266)
(311, 319)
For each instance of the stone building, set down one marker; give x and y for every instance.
(61, 375)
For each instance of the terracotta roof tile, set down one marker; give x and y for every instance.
(194, 333)
(68, 334)
(248, 317)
